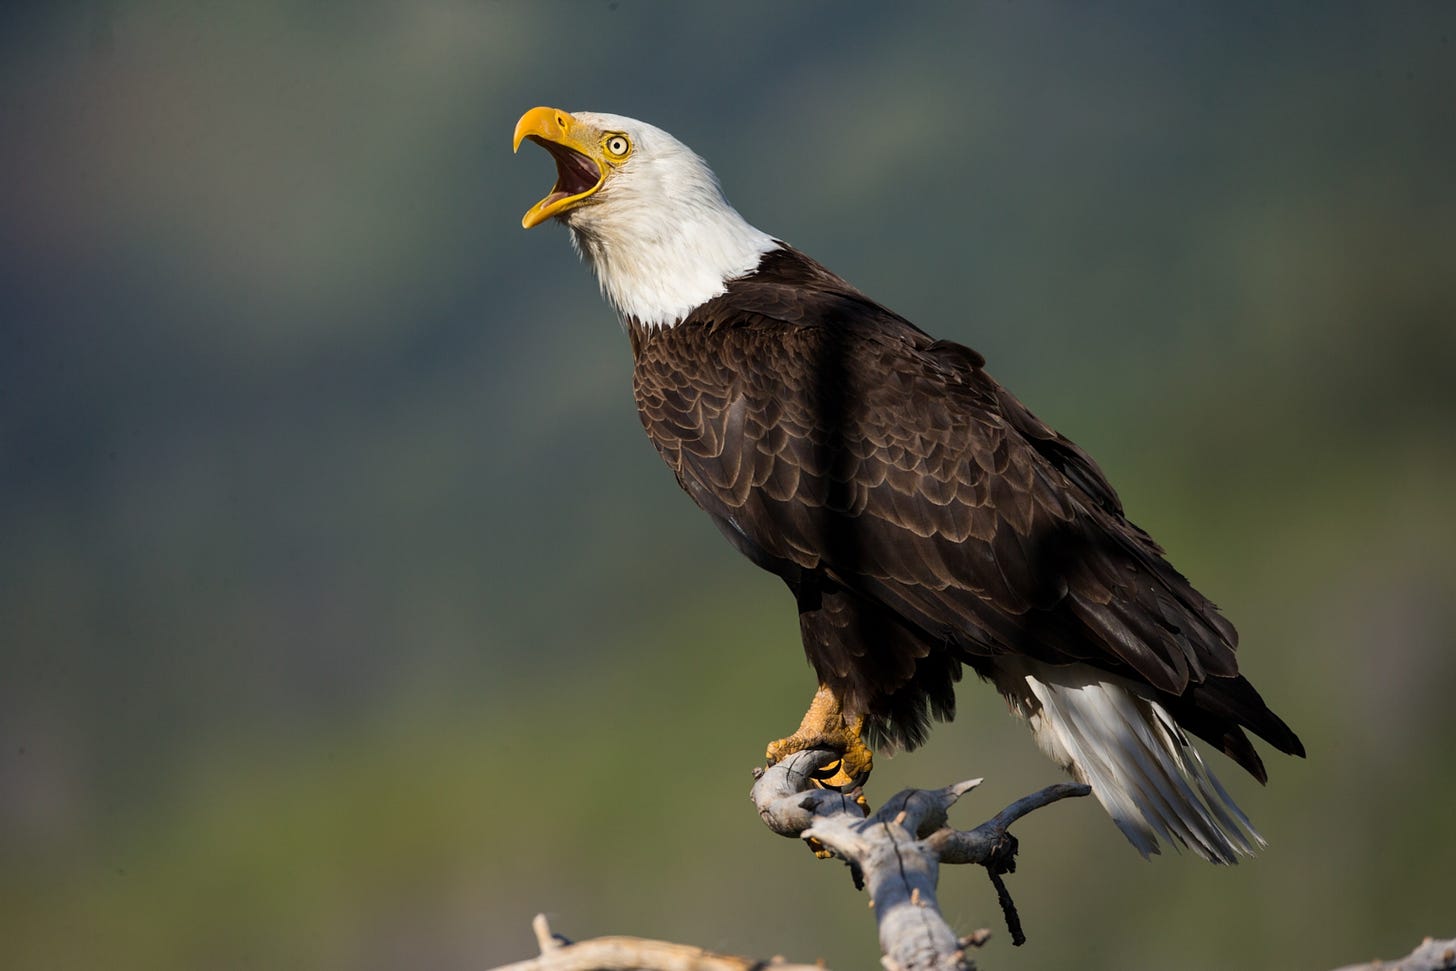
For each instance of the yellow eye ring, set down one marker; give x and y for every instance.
(617, 146)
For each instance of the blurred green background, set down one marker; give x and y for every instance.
(348, 619)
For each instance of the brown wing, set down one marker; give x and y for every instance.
(838, 446)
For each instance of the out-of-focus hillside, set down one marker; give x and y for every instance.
(346, 615)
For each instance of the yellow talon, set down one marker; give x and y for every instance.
(824, 726)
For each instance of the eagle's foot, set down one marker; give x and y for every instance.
(824, 726)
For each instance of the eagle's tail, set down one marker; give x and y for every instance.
(1140, 764)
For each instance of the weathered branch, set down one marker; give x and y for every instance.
(634, 954)
(1432, 955)
(896, 853)
(640, 954)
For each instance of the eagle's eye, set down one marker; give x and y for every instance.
(618, 146)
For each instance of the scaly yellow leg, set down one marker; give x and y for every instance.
(824, 726)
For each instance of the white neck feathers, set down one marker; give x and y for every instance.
(660, 235)
(658, 280)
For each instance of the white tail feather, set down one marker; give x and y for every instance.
(1140, 765)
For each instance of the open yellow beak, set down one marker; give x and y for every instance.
(580, 169)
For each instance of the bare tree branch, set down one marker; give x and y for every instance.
(635, 954)
(1432, 955)
(896, 853)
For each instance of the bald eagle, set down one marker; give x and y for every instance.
(923, 518)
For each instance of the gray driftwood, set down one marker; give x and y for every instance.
(896, 852)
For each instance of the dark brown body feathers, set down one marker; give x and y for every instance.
(921, 515)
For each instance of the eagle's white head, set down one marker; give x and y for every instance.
(644, 210)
